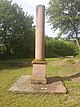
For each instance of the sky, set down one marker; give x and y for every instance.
(30, 7)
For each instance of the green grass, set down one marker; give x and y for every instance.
(68, 69)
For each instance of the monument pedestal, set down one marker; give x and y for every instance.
(24, 85)
(39, 68)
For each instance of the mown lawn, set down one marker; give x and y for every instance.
(68, 69)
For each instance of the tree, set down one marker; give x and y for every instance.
(16, 29)
(65, 16)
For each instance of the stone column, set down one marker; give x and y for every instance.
(39, 64)
(40, 30)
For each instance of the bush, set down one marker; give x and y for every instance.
(78, 55)
(59, 48)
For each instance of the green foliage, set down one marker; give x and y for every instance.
(65, 16)
(78, 55)
(58, 48)
(16, 30)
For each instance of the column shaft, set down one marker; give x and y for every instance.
(40, 27)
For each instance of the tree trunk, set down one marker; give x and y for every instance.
(77, 41)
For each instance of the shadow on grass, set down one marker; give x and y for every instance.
(57, 78)
(15, 65)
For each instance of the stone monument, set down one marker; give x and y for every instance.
(39, 63)
(38, 82)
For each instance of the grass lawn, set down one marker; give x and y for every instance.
(68, 69)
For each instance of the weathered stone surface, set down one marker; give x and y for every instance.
(38, 75)
(39, 63)
(23, 85)
(40, 32)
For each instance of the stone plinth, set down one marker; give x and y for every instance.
(23, 85)
(38, 75)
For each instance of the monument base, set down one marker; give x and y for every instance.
(39, 68)
(38, 80)
(23, 85)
